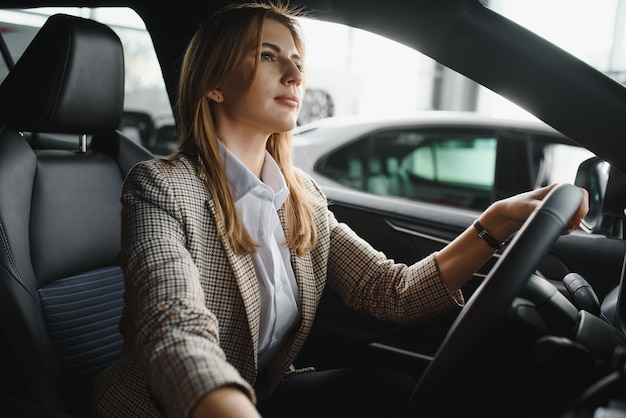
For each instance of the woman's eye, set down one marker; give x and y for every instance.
(267, 56)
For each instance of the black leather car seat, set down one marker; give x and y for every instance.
(61, 289)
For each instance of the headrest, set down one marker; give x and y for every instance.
(69, 80)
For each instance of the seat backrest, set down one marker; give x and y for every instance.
(61, 289)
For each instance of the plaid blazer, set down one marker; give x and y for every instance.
(191, 315)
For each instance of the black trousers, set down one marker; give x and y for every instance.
(367, 392)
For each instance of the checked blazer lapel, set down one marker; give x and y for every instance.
(245, 276)
(309, 292)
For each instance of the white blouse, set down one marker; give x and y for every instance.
(258, 201)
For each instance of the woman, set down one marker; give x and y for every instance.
(227, 248)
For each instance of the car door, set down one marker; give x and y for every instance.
(407, 231)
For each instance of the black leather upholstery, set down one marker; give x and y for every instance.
(71, 80)
(61, 289)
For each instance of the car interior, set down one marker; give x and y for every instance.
(543, 332)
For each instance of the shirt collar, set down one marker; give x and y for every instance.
(242, 181)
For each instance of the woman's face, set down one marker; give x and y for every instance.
(269, 102)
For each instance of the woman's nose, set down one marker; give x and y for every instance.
(293, 73)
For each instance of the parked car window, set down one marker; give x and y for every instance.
(466, 161)
(462, 167)
(443, 167)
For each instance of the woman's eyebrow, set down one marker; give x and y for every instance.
(277, 49)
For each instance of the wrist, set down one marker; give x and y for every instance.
(486, 236)
(496, 223)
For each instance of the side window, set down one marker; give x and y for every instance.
(562, 161)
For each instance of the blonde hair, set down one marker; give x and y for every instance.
(217, 49)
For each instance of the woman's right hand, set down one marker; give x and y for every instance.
(225, 402)
(506, 216)
(462, 257)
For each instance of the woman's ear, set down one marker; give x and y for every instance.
(215, 95)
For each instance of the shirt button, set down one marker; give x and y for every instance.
(261, 232)
(264, 193)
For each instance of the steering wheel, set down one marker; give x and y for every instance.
(494, 296)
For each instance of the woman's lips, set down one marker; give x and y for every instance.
(289, 99)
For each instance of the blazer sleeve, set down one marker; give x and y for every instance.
(176, 338)
(366, 279)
